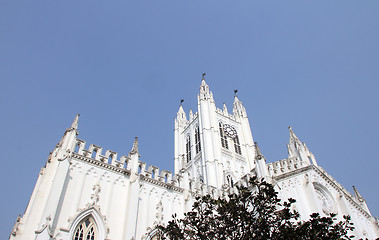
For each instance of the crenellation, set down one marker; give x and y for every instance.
(111, 156)
(124, 159)
(167, 176)
(95, 151)
(80, 145)
(153, 172)
(141, 167)
(285, 165)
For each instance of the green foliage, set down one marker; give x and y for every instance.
(255, 212)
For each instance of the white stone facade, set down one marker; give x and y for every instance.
(88, 192)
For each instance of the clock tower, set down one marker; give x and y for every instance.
(213, 148)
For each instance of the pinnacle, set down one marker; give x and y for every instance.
(181, 110)
(74, 124)
(358, 195)
(293, 137)
(203, 83)
(258, 153)
(135, 146)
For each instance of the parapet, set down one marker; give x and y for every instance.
(228, 115)
(285, 165)
(110, 158)
(152, 174)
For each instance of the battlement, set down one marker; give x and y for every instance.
(95, 152)
(228, 115)
(285, 165)
(110, 158)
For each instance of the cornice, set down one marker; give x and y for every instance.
(340, 188)
(101, 164)
(161, 184)
(291, 173)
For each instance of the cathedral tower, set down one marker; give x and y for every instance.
(212, 146)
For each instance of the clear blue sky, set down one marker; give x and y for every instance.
(124, 65)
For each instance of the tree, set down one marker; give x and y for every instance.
(254, 212)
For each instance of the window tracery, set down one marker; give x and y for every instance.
(86, 230)
(230, 181)
(237, 146)
(156, 234)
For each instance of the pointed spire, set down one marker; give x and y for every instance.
(258, 153)
(294, 140)
(190, 115)
(358, 195)
(204, 88)
(290, 153)
(181, 115)
(238, 108)
(135, 147)
(74, 124)
(225, 109)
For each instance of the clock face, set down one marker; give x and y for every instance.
(230, 131)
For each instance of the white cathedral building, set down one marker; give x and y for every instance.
(86, 192)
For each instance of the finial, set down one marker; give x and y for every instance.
(181, 101)
(74, 124)
(358, 195)
(135, 146)
(235, 92)
(258, 153)
(294, 139)
(203, 76)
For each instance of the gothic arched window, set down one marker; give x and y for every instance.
(197, 140)
(156, 234)
(224, 139)
(188, 148)
(237, 146)
(86, 230)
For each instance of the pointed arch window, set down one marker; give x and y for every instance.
(156, 234)
(86, 230)
(197, 140)
(224, 139)
(237, 146)
(188, 148)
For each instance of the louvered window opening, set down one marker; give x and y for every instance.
(224, 139)
(197, 140)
